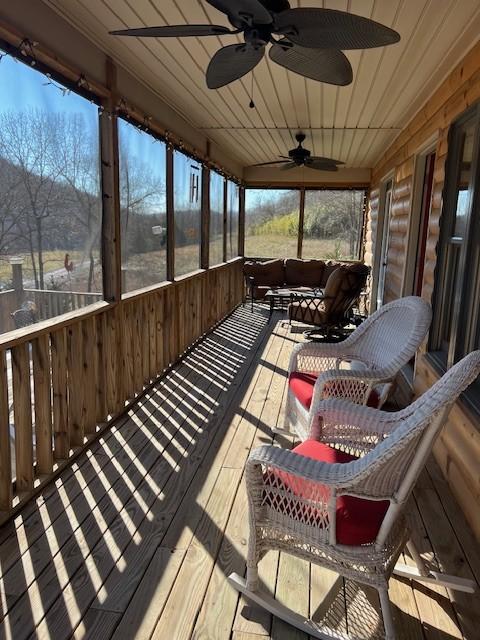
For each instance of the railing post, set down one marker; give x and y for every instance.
(170, 215)
(205, 226)
(17, 279)
(111, 241)
(301, 219)
(225, 218)
(241, 222)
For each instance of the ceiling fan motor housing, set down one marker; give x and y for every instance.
(258, 35)
(299, 154)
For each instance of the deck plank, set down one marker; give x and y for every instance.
(218, 610)
(139, 621)
(113, 531)
(137, 538)
(179, 615)
(131, 535)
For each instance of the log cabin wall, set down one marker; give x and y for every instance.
(458, 447)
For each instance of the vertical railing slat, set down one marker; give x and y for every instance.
(61, 431)
(128, 353)
(5, 456)
(43, 403)
(88, 361)
(76, 384)
(137, 343)
(159, 329)
(152, 341)
(145, 337)
(22, 410)
(100, 369)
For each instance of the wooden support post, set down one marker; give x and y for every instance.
(111, 241)
(205, 225)
(301, 218)
(241, 222)
(225, 218)
(5, 460)
(170, 216)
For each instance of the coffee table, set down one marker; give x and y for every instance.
(284, 294)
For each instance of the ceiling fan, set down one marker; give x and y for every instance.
(310, 40)
(300, 157)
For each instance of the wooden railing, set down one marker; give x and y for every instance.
(54, 303)
(48, 303)
(87, 366)
(9, 301)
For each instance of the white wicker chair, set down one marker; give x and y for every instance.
(361, 367)
(294, 500)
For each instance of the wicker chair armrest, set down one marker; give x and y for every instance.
(333, 475)
(316, 357)
(350, 385)
(339, 414)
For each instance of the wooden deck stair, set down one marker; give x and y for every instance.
(136, 539)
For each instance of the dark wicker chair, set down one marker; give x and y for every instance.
(26, 315)
(331, 312)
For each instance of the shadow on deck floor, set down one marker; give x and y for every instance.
(137, 538)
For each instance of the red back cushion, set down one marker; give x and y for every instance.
(357, 520)
(302, 385)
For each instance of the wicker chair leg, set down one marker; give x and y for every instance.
(252, 579)
(387, 614)
(417, 558)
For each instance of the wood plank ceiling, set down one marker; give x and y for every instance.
(354, 124)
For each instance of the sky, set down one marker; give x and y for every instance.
(23, 87)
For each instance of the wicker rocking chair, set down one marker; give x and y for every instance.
(349, 516)
(362, 368)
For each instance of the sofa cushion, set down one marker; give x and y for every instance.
(270, 273)
(306, 273)
(358, 520)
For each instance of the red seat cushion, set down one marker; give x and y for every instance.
(358, 520)
(302, 385)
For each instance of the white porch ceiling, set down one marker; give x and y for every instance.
(354, 124)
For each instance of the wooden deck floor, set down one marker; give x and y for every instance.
(137, 538)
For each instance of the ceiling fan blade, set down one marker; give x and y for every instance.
(232, 62)
(245, 11)
(321, 166)
(289, 165)
(332, 29)
(175, 31)
(326, 160)
(264, 164)
(323, 65)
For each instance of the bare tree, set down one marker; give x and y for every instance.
(10, 211)
(77, 165)
(142, 194)
(28, 140)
